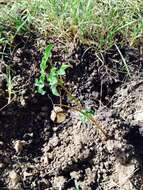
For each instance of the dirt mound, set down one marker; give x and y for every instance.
(37, 154)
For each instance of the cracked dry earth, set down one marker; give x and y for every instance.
(37, 154)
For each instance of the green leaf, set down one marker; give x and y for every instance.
(42, 78)
(40, 83)
(62, 69)
(36, 82)
(53, 77)
(86, 114)
(53, 72)
(54, 90)
(46, 56)
(40, 86)
(41, 91)
(53, 81)
(48, 51)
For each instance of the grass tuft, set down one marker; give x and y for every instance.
(99, 22)
(92, 21)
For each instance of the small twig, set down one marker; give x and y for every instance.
(85, 52)
(51, 100)
(73, 98)
(129, 177)
(7, 104)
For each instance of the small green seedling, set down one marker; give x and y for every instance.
(40, 83)
(86, 115)
(56, 82)
(54, 78)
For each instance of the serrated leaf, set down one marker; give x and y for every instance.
(53, 73)
(36, 82)
(46, 56)
(62, 69)
(43, 65)
(48, 51)
(39, 83)
(41, 91)
(53, 80)
(53, 77)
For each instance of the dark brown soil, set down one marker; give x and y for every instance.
(37, 154)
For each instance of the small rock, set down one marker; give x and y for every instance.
(57, 109)
(1, 143)
(19, 145)
(139, 116)
(26, 174)
(45, 160)
(2, 165)
(14, 178)
(61, 117)
(58, 115)
(75, 175)
(22, 101)
(112, 144)
(53, 115)
(54, 141)
(59, 182)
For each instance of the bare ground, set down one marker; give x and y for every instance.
(36, 153)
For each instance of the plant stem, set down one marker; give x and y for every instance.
(91, 118)
(73, 98)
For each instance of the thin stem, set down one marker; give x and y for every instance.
(91, 118)
(124, 61)
(72, 98)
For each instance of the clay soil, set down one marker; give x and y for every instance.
(37, 154)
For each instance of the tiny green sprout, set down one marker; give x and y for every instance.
(86, 115)
(40, 83)
(54, 78)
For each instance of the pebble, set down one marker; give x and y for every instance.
(59, 182)
(2, 165)
(19, 145)
(75, 175)
(54, 141)
(1, 143)
(14, 178)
